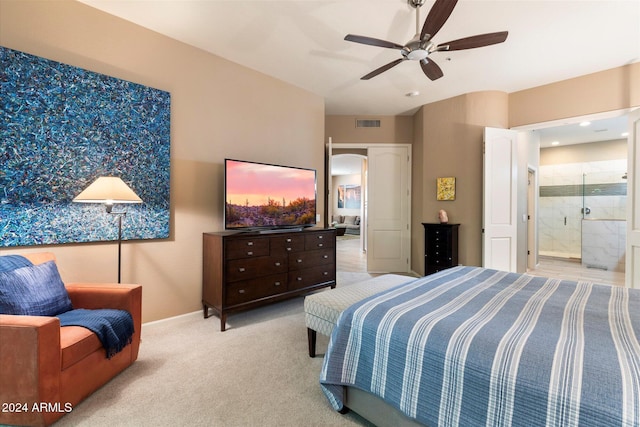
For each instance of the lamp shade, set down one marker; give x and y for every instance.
(109, 190)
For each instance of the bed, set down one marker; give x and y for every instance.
(470, 346)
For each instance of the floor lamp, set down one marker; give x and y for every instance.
(109, 190)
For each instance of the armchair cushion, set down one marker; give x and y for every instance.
(114, 328)
(35, 290)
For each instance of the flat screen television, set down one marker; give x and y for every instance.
(260, 196)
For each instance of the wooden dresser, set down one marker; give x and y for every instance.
(246, 270)
(440, 247)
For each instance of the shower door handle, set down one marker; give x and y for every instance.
(586, 211)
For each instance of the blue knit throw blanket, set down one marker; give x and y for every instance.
(113, 327)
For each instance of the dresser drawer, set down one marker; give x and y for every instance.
(319, 240)
(250, 290)
(286, 244)
(438, 253)
(242, 269)
(311, 276)
(247, 248)
(311, 258)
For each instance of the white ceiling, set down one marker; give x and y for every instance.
(302, 42)
(608, 129)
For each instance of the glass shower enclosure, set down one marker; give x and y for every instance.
(582, 210)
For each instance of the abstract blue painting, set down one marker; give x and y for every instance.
(61, 127)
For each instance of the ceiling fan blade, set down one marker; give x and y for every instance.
(382, 69)
(474, 41)
(436, 18)
(431, 69)
(372, 42)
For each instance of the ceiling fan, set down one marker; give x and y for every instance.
(421, 45)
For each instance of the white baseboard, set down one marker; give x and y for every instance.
(167, 319)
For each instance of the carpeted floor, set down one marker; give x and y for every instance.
(257, 373)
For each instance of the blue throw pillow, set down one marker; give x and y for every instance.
(36, 291)
(11, 262)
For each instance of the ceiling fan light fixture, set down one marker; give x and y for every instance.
(421, 45)
(417, 55)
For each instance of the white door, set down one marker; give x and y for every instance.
(499, 220)
(388, 230)
(328, 191)
(633, 203)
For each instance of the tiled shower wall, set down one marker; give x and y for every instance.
(561, 202)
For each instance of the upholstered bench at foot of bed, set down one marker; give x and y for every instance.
(322, 309)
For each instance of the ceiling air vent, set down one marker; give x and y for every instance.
(367, 123)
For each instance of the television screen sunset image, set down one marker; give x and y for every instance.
(262, 195)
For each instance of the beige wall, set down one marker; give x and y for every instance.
(609, 90)
(583, 153)
(449, 142)
(218, 109)
(393, 129)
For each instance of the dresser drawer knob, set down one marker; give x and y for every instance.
(289, 249)
(249, 253)
(277, 264)
(320, 245)
(277, 284)
(288, 240)
(299, 260)
(326, 273)
(241, 291)
(299, 279)
(325, 256)
(249, 243)
(241, 269)
(320, 236)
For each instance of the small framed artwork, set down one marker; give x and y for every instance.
(446, 188)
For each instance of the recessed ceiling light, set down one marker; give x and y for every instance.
(583, 124)
(555, 143)
(624, 134)
(412, 94)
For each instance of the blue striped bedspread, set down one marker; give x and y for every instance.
(470, 346)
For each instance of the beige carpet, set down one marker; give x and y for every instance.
(257, 373)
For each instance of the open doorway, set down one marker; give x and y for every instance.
(582, 200)
(385, 200)
(348, 208)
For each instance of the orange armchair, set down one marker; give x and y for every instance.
(46, 370)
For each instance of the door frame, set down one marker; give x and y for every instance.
(365, 146)
(632, 271)
(630, 281)
(532, 217)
